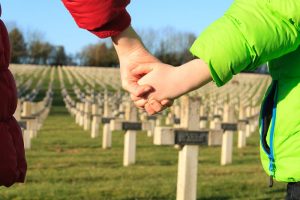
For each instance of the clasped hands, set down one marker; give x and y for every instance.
(152, 84)
(149, 81)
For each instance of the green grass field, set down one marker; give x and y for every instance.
(65, 163)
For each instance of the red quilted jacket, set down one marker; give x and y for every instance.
(104, 18)
(12, 155)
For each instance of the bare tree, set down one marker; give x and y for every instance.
(39, 52)
(99, 55)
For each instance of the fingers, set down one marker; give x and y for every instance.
(157, 107)
(142, 69)
(153, 106)
(167, 102)
(137, 90)
(149, 109)
(140, 103)
(141, 93)
(135, 98)
(130, 82)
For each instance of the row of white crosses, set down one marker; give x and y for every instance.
(25, 75)
(92, 76)
(31, 115)
(82, 110)
(101, 111)
(189, 139)
(222, 119)
(217, 119)
(246, 112)
(245, 99)
(203, 122)
(36, 89)
(77, 77)
(128, 123)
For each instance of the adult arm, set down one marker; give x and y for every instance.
(109, 18)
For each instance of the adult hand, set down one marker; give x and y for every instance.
(139, 92)
(131, 53)
(128, 63)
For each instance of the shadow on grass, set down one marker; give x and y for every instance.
(215, 198)
(152, 198)
(73, 180)
(58, 110)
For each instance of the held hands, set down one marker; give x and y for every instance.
(168, 82)
(130, 78)
(165, 83)
(132, 53)
(152, 84)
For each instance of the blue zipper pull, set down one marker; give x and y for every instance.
(271, 181)
(272, 172)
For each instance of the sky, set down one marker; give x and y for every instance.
(52, 20)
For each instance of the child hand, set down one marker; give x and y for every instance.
(170, 82)
(161, 78)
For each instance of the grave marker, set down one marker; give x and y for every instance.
(229, 127)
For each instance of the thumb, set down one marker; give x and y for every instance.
(167, 102)
(142, 69)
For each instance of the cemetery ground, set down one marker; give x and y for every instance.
(65, 163)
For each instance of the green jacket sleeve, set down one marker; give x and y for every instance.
(250, 33)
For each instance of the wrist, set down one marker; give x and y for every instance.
(194, 74)
(127, 42)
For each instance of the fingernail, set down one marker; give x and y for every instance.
(152, 102)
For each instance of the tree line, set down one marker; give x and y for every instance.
(36, 50)
(170, 46)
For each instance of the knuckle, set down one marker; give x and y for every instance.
(125, 85)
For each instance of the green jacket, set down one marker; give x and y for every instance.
(250, 33)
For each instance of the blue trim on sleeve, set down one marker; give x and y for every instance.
(271, 155)
(272, 129)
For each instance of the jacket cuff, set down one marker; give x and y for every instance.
(114, 27)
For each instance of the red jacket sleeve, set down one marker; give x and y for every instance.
(104, 18)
